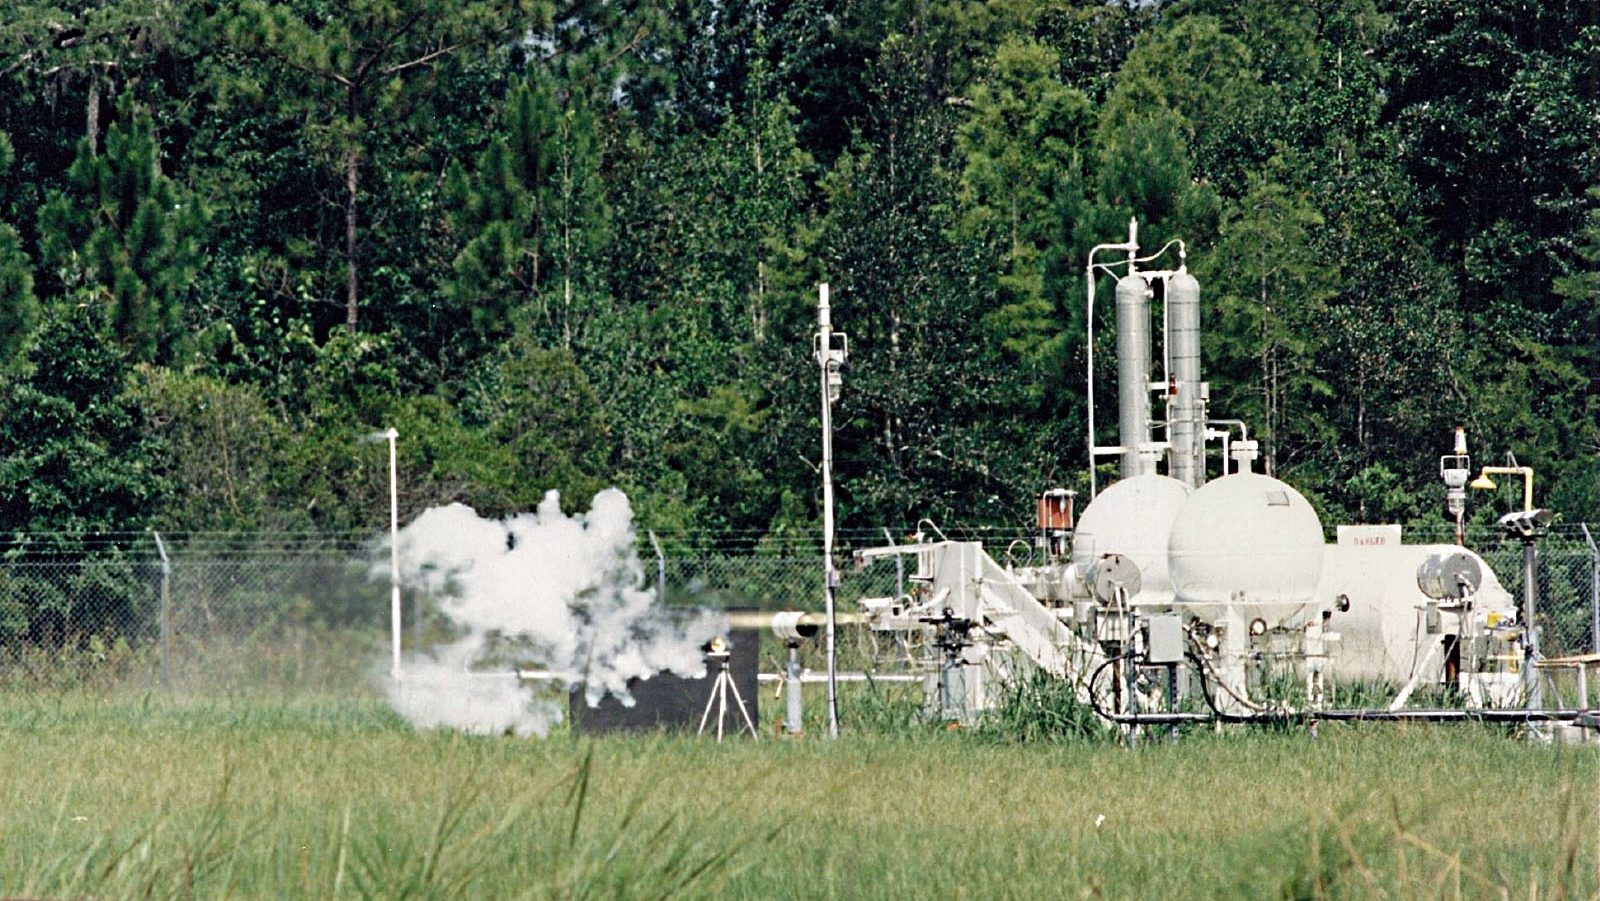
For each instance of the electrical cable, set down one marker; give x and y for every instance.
(1244, 701)
(1094, 678)
(1205, 684)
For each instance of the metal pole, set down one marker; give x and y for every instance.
(661, 570)
(830, 576)
(166, 612)
(1088, 376)
(1530, 600)
(899, 567)
(1594, 589)
(394, 549)
(1132, 247)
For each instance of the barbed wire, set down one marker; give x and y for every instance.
(20, 545)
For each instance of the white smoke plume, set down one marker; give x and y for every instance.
(543, 590)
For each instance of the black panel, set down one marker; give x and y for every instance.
(673, 703)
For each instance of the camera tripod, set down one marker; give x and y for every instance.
(719, 694)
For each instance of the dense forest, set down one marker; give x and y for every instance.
(574, 244)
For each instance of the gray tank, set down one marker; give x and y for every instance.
(1133, 371)
(1185, 412)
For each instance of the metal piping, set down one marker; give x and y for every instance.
(1226, 434)
(1088, 321)
(829, 359)
(1432, 715)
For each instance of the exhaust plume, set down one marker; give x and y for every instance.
(564, 594)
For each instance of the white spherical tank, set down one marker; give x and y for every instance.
(1133, 518)
(1246, 539)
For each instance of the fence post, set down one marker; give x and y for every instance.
(166, 612)
(899, 568)
(661, 571)
(1594, 589)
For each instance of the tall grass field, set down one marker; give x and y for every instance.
(119, 795)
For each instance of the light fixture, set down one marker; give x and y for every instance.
(1483, 481)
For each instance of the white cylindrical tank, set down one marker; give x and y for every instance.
(1133, 518)
(1247, 541)
(1185, 425)
(1380, 612)
(1133, 371)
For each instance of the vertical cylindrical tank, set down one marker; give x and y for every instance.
(1133, 371)
(1185, 431)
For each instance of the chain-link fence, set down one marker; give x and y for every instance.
(1567, 608)
(265, 613)
(207, 615)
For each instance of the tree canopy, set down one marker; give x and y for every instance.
(568, 245)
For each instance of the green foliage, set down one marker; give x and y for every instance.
(533, 215)
(714, 242)
(911, 427)
(544, 414)
(75, 453)
(1042, 708)
(19, 310)
(353, 77)
(76, 458)
(226, 452)
(1575, 414)
(321, 219)
(1200, 77)
(1270, 291)
(125, 236)
(18, 307)
(1022, 146)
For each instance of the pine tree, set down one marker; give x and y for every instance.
(533, 213)
(1022, 143)
(351, 75)
(1270, 294)
(124, 235)
(18, 307)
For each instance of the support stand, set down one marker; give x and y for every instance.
(719, 695)
(953, 638)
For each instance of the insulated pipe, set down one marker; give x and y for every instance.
(1184, 426)
(789, 623)
(1437, 715)
(794, 712)
(1133, 371)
